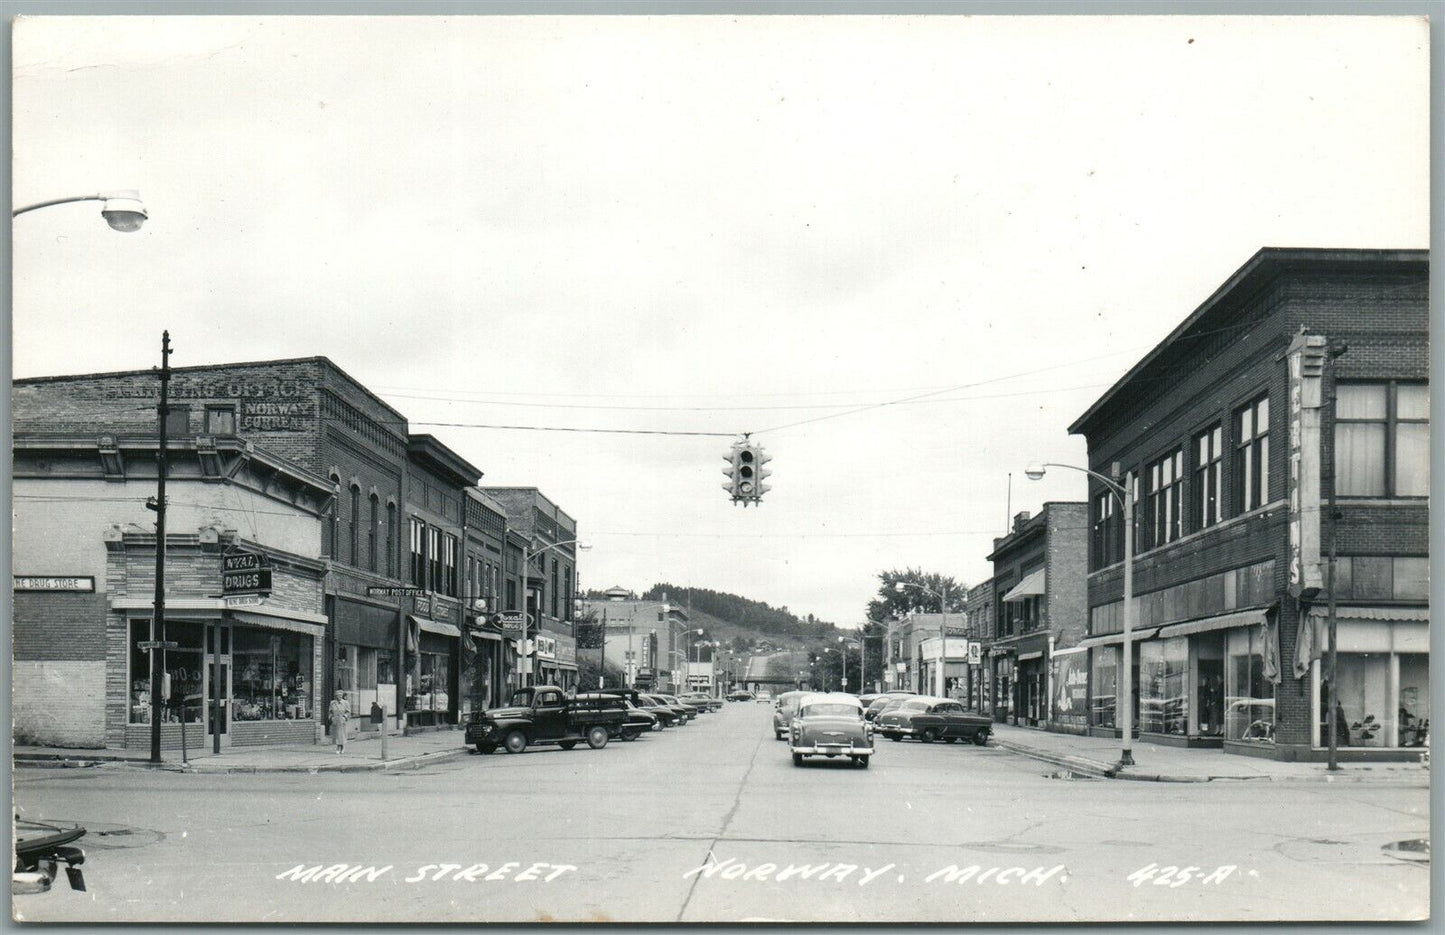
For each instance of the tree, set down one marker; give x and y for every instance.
(891, 602)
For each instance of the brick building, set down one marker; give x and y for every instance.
(550, 538)
(1039, 617)
(981, 630)
(1226, 437)
(645, 639)
(393, 623)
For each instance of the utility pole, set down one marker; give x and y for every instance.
(158, 617)
(602, 656)
(1333, 704)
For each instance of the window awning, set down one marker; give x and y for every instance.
(1025, 657)
(1031, 586)
(1394, 614)
(1243, 618)
(435, 626)
(1110, 639)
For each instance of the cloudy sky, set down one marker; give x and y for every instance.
(702, 225)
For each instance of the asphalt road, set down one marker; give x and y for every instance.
(713, 823)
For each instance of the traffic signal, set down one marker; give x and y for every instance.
(745, 472)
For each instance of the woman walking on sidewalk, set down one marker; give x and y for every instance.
(340, 714)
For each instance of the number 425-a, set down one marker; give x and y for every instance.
(1173, 876)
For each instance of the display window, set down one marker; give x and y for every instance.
(1363, 711)
(271, 675)
(1248, 695)
(435, 678)
(1414, 702)
(1102, 705)
(183, 673)
(1163, 686)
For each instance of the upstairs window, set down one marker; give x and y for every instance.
(1382, 439)
(391, 540)
(434, 558)
(1251, 455)
(449, 565)
(371, 533)
(418, 553)
(1108, 530)
(355, 524)
(1165, 505)
(1208, 497)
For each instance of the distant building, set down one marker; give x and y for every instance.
(645, 639)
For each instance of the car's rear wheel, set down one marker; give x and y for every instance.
(797, 759)
(597, 737)
(929, 735)
(629, 734)
(950, 739)
(566, 744)
(515, 742)
(486, 747)
(981, 738)
(861, 761)
(893, 737)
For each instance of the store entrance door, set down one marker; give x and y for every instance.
(218, 683)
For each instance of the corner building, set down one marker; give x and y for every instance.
(1228, 440)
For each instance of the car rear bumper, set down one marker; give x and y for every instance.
(832, 749)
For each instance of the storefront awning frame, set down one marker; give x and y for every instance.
(1111, 639)
(1229, 621)
(435, 626)
(1031, 586)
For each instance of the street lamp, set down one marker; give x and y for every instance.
(1125, 700)
(528, 554)
(122, 210)
(942, 623)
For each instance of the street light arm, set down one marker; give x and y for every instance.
(1109, 482)
(122, 210)
(56, 201)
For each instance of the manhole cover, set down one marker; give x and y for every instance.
(1417, 849)
(117, 837)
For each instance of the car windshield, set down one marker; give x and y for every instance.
(914, 706)
(830, 709)
(948, 708)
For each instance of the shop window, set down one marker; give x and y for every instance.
(435, 679)
(1163, 683)
(1105, 686)
(1382, 439)
(185, 667)
(271, 675)
(1208, 496)
(1363, 711)
(220, 420)
(1414, 706)
(1251, 456)
(1248, 695)
(1165, 504)
(1209, 700)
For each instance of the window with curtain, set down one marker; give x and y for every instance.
(333, 519)
(434, 558)
(1251, 456)
(554, 590)
(449, 564)
(1382, 439)
(1208, 498)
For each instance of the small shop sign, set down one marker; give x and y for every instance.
(511, 623)
(76, 583)
(975, 653)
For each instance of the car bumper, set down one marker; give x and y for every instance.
(832, 749)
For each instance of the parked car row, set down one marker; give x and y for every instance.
(545, 714)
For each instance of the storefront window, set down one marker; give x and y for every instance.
(1163, 683)
(432, 694)
(184, 666)
(1363, 714)
(1248, 695)
(1071, 683)
(1414, 707)
(1106, 686)
(271, 673)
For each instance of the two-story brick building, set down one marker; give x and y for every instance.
(1039, 614)
(1306, 372)
(981, 618)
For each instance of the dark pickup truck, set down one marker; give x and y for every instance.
(544, 714)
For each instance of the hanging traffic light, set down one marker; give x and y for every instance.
(745, 472)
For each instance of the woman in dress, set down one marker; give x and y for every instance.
(340, 713)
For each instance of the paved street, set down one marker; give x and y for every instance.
(620, 834)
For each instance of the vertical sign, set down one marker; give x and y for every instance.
(1306, 356)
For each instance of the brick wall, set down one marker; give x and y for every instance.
(58, 703)
(1066, 555)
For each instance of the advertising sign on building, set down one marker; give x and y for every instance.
(1306, 357)
(511, 623)
(975, 653)
(54, 583)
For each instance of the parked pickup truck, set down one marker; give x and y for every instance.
(544, 714)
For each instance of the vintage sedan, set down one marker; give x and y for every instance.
(830, 725)
(703, 701)
(930, 719)
(886, 702)
(679, 714)
(783, 710)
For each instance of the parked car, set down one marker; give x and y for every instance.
(783, 710)
(885, 701)
(666, 714)
(680, 714)
(740, 695)
(692, 710)
(638, 721)
(704, 700)
(830, 725)
(40, 848)
(543, 714)
(930, 719)
(764, 696)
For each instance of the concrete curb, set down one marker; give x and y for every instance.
(416, 761)
(1100, 770)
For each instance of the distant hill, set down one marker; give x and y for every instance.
(739, 622)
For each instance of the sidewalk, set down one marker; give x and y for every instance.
(1097, 756)
(363, 754)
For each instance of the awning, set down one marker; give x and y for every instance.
(1110, 639)
(486, 635)
(1025, 657)
(1243, 618)
(276, 623)
(1401, 614)
(1031, 586)
(435, 626)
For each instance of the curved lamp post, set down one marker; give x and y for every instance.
(942, 624)
(122, 210)
(527, 555)
(1124, 703)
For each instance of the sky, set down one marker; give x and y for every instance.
(904, 253)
